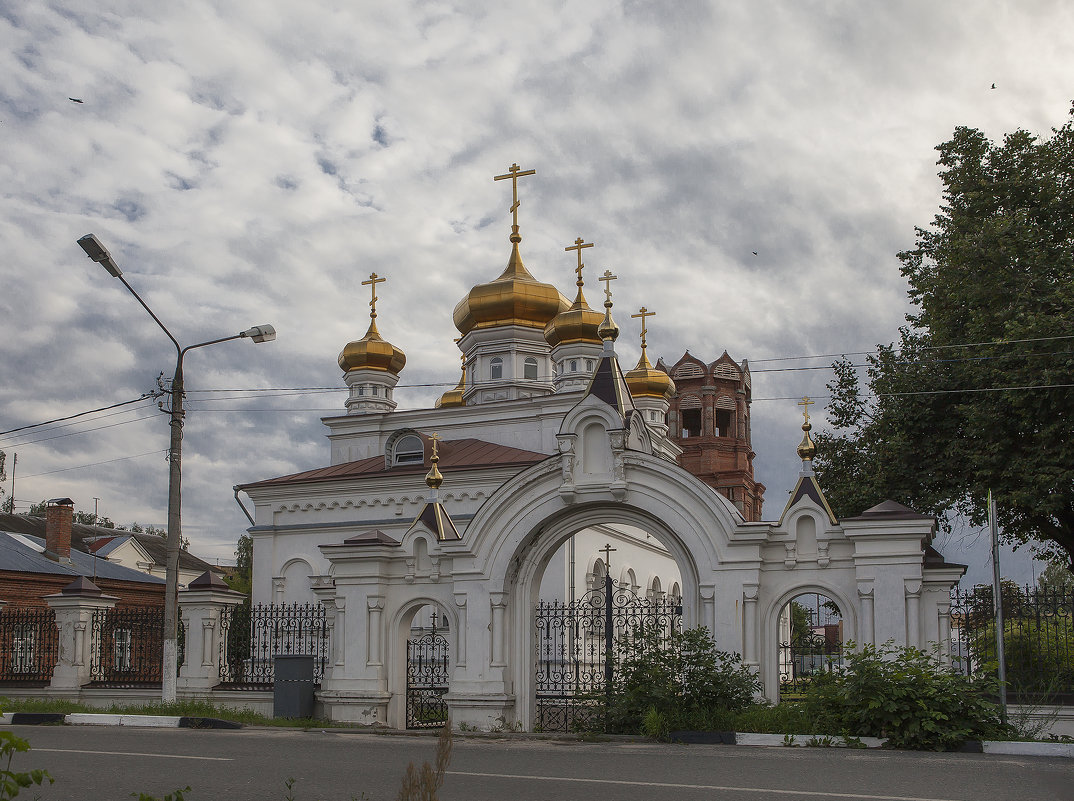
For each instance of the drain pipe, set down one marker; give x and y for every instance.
(242, 506)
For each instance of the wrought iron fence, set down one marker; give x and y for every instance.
(576, 644)
(127, 646)
(426, 680)
(28, 645)
(251, 638)
(810, 641)
(1038, 632)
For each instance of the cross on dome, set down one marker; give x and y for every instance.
(643, 313)
(374, 279)
(805, 403)
(579, 243)
(514, 172)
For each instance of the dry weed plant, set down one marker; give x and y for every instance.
(422, 784)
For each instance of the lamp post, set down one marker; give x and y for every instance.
(259, 333)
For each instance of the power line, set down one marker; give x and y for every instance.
(79, 414)
(925, 347)
(95, 464)
(83, 431)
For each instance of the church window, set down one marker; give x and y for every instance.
(409, 450)
(691, 422)
(589, 364)
(688, 370)
(376, 390)
(496, 368)
(530, 369)
(723, 423)
(574, 365)
(361, 389)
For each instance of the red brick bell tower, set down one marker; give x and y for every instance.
(709, 419)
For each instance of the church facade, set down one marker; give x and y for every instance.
(546, 468)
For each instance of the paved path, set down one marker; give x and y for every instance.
(111, 763)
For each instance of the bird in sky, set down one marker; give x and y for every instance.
(76, 100)
(755, 253)
(993, 86)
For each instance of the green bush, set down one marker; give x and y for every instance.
(680, 677)
(906, 695)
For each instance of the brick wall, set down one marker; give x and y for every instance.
(29, 589)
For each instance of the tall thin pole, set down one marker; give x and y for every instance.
(171, 586)
(997, 600)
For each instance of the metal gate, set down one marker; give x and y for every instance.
(426, 680)
(576, 649)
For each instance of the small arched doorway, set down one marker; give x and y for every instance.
(810, 638)
(427, 669)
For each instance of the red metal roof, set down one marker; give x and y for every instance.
(458, 454)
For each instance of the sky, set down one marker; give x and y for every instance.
(748, 170)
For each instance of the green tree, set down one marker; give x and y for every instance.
(992, 281)
(242, 579)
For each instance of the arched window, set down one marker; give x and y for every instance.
(496, 368)
(409, 450)
(529, 371)
(589, 365)
(574, 365)
(654, 589)
(361, 389)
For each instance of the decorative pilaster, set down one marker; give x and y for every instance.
(913, 612)
(749, 623)
(375, 608)
(499, 628)
(460, 638)
(865, 603)
(943, 626)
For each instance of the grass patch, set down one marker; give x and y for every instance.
(197, 709)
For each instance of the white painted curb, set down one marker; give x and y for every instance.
(799, 740)
(1029, 749)
(144, 721)
(6, 718)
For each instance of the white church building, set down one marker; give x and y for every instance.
(545, 468)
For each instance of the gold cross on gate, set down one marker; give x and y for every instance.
(579, 243)
(805, 403)
(643, 313)
(607, 278)
(374, 279)
(607, 551)
(514, 172)
(435, 438)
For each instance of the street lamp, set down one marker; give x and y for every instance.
(259, 333)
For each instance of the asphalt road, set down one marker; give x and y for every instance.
(111, 763)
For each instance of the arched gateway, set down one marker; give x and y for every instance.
(560, 470)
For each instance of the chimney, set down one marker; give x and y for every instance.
(58, 515)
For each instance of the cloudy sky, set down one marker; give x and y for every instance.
(254, 162)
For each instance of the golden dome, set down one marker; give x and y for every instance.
(807, 449)
(645, 381)
(454, 397)
(515, 298)
(372, 353)
(579, 323)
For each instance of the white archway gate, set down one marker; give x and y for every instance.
(734, 575)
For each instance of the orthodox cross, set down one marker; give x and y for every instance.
(433, 616)
(435, 438)
(514, 172)
(607, 551)
(643, 313)
(372, 282)
(579, 243)
(607, 278)
(805, 403)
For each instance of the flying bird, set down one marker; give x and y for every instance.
(993, 86)
(76, 100)
(755, 253)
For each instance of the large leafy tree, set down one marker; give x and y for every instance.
(977, 394)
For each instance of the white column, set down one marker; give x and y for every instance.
(202, 609)
(499, 628)
(865, 604)
(749, 623)
(913, 612)
(460, 633)
(341, 631)
(375, 605)
(74, 619)
(943, 627)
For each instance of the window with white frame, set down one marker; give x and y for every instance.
(496, 368)
(409, 450)
(529, 371)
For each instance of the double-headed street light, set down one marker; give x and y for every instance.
(259, 333)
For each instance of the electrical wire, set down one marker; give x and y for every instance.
(79, 414)
(94, 464)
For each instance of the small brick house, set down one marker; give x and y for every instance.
(32, 567)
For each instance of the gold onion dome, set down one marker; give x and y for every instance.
(579, 323)
(645, 381)
(371, 352)
(515, 298)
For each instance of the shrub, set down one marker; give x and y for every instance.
(679, 679)
(906, 695)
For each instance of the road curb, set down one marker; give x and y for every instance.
(105, 719)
